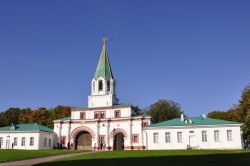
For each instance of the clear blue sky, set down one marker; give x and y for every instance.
(196, 53)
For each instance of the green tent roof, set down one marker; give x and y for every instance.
(26, 127)
(103, 68)
(194, 121)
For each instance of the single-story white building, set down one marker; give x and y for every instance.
(27, 136)
(194, 132)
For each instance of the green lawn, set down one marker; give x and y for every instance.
(13, 155)
(154, 158)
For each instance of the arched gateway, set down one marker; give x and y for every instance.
(82, 138)
(118, 143)
(118, 136)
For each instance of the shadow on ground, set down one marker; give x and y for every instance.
(238, 159)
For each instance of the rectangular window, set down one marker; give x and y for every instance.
(204, 135)
(135, 138)
(99, 115)
(229, 135)
(1, 142)
(167, 137)
(82, 115)
(179, 137)
(45, 142)
(216, 136)
(15, 141)
(117, 113)
(102, 115)
(49, 142)
(23, 141)
(155, 139)
(31, 141)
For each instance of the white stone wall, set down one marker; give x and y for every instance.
(51, 136)
(8, 139)
(195, 138)
(105, 128)
(125, 112)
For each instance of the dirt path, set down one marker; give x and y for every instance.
(30, 162)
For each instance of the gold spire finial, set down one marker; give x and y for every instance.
(104, 40)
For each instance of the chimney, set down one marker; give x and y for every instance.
(182, 117)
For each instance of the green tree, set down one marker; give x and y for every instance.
(164, 110)
(10, 116)
(240, 113)
(138, 111)
(244, 108)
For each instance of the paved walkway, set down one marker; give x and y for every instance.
(30, 162)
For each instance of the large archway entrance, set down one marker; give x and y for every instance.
(118, 143)
(83, 140)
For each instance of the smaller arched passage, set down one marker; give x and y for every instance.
(118, 135)
(118, 142)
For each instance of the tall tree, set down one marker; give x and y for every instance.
(10, 116)
(164, 110)
(240, 113)
(138, 111)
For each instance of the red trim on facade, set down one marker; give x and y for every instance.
(134, 148)
(84, 121)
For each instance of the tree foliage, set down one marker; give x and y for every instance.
(163, 110)
(138, 111)
(40, 115)
(240, 113)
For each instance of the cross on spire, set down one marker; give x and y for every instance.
(104, 40)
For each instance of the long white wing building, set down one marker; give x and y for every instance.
(109, 125)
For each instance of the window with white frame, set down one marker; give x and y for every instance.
(99, 115)
(155, 138)
(82, 115)
(179, 137)
(216, 136)
(117, 114)
(167, 137)
(204, 135)
(49, 142)
(31, 141)
(23, 141)
(45, 142)
(15, 141)
(135, 138)
(229, 135)
(1, 142)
